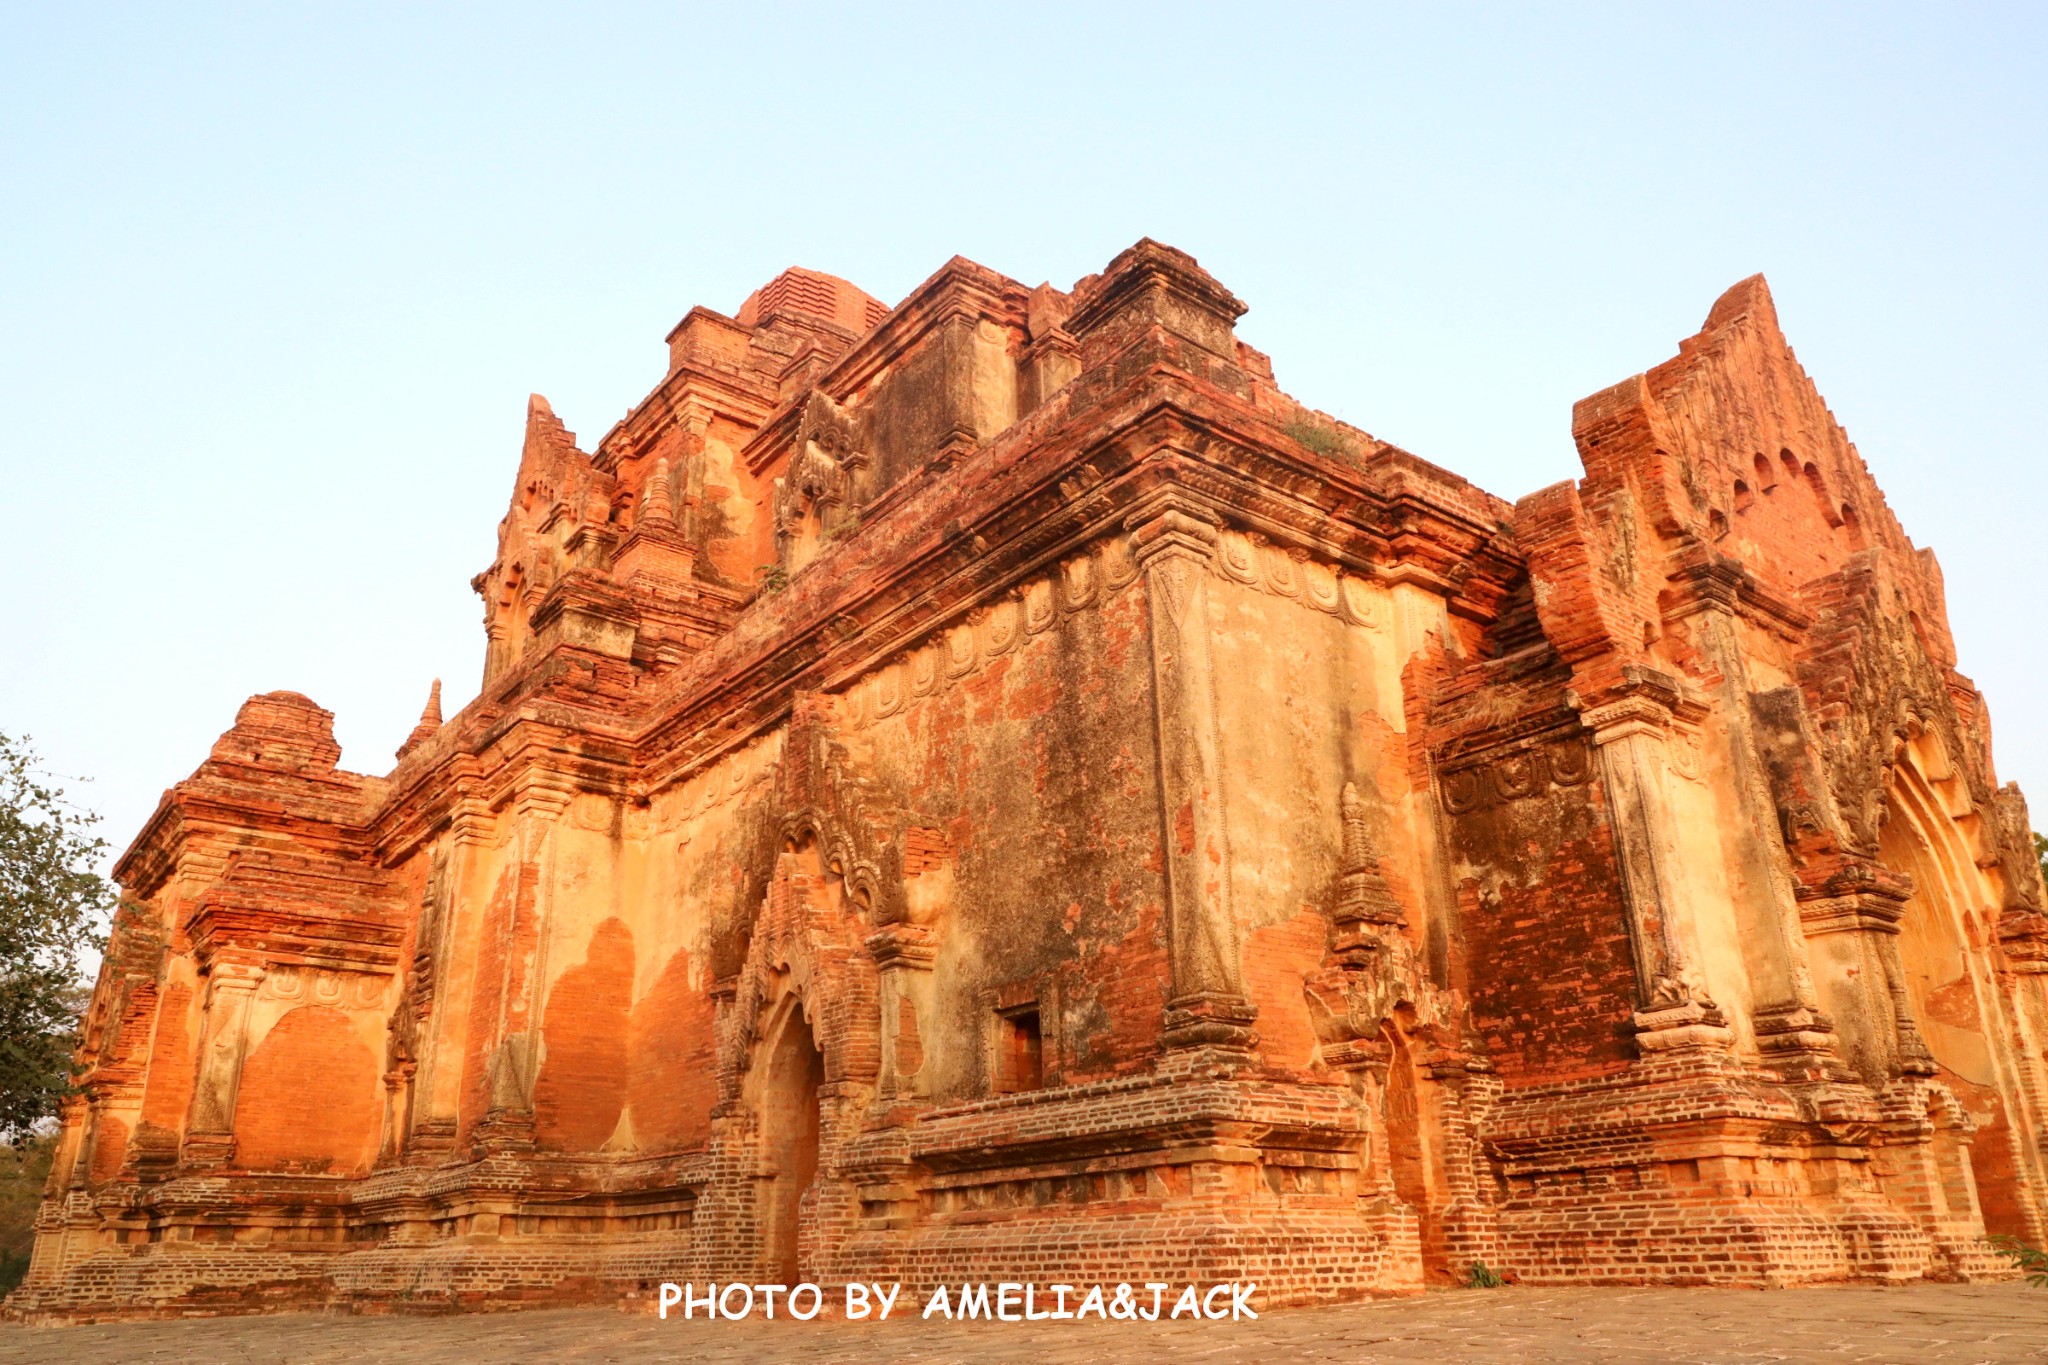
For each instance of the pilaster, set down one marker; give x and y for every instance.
(1868, 900)
(507, 1125)
(435, 1099)
(724, 993)
(1173, 542)
(1794, 1035)
(904, 954)
(1674, 1010)
(210, 1133)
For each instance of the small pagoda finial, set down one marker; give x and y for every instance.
(1362, 893)
(1357, 843)
(430, 721)
(656, 505)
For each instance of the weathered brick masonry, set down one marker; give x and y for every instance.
(994, 789)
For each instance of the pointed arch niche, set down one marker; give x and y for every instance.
(800, 1050)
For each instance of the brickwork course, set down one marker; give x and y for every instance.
(993, 789)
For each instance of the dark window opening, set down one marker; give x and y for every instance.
(1020, 1051)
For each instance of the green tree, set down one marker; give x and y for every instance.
(23, 1170)
(2041, 852)
(52, 904)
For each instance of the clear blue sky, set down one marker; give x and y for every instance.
(275, 282)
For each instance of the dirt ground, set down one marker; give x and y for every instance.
(1920, 1324)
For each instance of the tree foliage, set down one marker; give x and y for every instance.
(52, 904)
(2032, 1261)
(24, 1168)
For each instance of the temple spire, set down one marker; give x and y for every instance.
(430, 721)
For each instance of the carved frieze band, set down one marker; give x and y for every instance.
(320, 986)
(720, 784)
(1249, 559)
(1087, 580)
(953, 653)
(1515, 776)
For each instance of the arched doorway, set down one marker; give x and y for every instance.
(788, 1115)
(804, 981)
(1947, 989)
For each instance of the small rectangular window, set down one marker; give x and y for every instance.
(1020, 1050)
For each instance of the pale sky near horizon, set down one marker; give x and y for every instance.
(275, 281)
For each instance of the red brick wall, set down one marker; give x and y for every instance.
(671, 1062)
(1032, 770)
(169, 1092)
(109, 1145)
(309, 1096)
(581, 1088)
(1276, 959)
(1552, 976)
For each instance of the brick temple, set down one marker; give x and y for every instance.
(994, 789)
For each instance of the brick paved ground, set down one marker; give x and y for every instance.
(1920, 1324)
